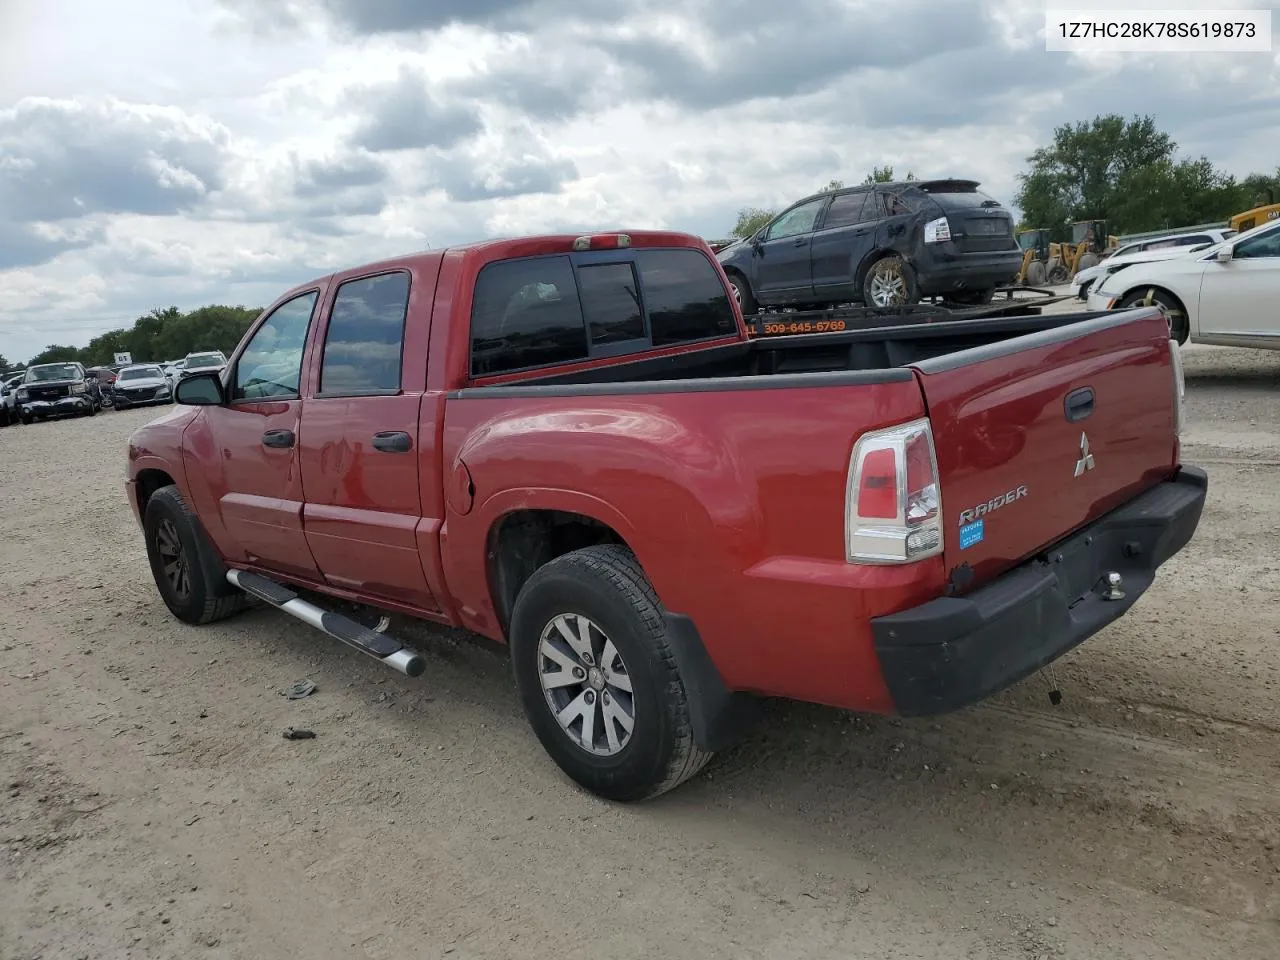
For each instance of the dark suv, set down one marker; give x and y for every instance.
(886, 244)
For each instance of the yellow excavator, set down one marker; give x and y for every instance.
(1251, 218)
(1090, 243)
(1037, 251)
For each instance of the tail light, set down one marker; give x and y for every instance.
(1179, 386)
(893, 509)
(937, 231)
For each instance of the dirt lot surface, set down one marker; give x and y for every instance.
(151, 808)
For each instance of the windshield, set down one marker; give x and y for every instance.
(140, 373)
(53, 371)
(205, 360)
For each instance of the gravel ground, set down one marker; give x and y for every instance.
(152, 809)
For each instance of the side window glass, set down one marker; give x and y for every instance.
(611, 302)
(894, 205)
(271, 365)
(366, 333)
(797, 221)
(1266, 245)
(526, 313)
(845, 210)
(684, 297)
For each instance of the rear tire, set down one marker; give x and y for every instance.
(1036, 273)
(1087, 261)
(742, 293)
(187, 571)
(890, 282)
(603, 591)
(1179, 326)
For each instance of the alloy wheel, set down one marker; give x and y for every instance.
(586, 684)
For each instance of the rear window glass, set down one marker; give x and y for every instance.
(684, 297)
(964, 200)
(611, 302)
(526, 314)
(532, 312)
(366, 331)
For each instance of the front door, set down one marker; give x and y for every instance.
(253, 440)
(360, 445)
(783, 271)
(1237, 298)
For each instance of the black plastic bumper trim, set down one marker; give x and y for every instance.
(955, 651)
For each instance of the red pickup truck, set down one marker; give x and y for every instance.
(571, 445)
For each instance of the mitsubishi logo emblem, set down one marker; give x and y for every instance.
(1086, 458)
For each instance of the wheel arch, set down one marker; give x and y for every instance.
(522, 540)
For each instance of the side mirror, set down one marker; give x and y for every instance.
(200, 390)
(1224, 254)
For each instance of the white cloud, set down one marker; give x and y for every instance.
(220, 150)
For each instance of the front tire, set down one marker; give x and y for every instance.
(1179, 325)
(597, 676)
(890, 282)
(187, 571)
(742, 293)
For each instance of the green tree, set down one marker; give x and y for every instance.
(883, 175)
(55, 353)
(750, 219)
(1126, 172)
(4, 364)
(832, 185)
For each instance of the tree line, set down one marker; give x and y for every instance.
(163, 334)
(1126, 172)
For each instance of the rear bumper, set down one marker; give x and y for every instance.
(941, 272)
(954, 651)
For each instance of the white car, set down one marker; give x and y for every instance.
(1146, 251)
(1225, 294)
(211, 361)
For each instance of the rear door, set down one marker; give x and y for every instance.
(360, 445)
(783, 269)
(845, 236)
(1039, 435)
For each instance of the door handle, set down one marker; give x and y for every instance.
(1078, 404)
(799, 243)
(392, 441)
(278, 438)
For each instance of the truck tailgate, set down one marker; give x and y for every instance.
(1038, 435)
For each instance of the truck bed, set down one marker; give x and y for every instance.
(878, 351)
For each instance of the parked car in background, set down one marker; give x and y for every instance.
(55, 390)
(8, 399)
(1146, 251)
(141, 385)
(1225, 294)
(664, 517)
(211, 361)
(887, 244)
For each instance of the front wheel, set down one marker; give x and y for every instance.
(186, 569)
(742, 293)
(890, 283)
(597, 676)
(1179, 325)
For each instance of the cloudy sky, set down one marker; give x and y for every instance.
(157, 152)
